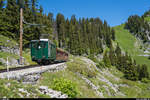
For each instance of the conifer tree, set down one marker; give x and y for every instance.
(106, 59)
(2, 4)
(143, 72)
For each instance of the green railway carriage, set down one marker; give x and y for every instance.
(43, 51)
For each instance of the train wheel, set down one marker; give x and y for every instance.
(46, 63)
(39, 63)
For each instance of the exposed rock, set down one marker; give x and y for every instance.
(99, 57)
(52, 93)
(144, 55)
(123, 85)
(8, 84)
(107, 89)
(12, 62)
(24, 91)
(30, 79)
(92, 85)
(101, 78)
(146, 51)
(14, 50)
(3, 61)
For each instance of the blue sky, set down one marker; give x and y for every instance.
(115, 12)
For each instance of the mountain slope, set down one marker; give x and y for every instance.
(132, 45)
(92, 81)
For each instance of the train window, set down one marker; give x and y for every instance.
(44, 45)
(34, 45)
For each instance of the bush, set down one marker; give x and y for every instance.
(100, 65)
(65, 86)
(93, 58)
(1, 63)
(149, 57)
(145, 80)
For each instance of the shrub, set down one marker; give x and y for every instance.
(100, 65)
(145, 80)
(65, 86)
(149, 57)
(1, 63)
(93, 58)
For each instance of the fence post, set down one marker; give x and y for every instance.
(7, 68)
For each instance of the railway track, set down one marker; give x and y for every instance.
(18, 68)
(29, 70)
(24, 67)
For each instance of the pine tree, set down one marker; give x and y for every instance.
(106, 59)
(2, 4)
(60, 20)
(112, 56)
(113, 34)
(11, 19)
(143, 72)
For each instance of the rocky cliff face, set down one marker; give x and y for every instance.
(9, 49)
(12, 50)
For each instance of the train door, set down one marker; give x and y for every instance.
(40, 50)
(52, 52)
(34, 50)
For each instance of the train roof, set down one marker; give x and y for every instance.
(62, 50)
(42, 40)
(46, 40)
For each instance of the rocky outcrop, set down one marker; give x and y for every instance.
(13, 50)
(95, 88)
(3, 61)
(23, 91)
(30, 79)
(11, 61)
(103, 76)
(52, 93)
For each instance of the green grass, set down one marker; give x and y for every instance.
(5, 55)
(12, 90)
(147, 19)
(83, 88)
(130, 44)
(7, 42)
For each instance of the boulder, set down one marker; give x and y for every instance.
(3, 61)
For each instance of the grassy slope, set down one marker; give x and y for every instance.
(129, 43)
(83, 88)
(147, 19)
(135, 89)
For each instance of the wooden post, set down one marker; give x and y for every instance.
(7, 68)
(21, 33)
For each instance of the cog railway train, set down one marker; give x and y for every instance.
(44, 52)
